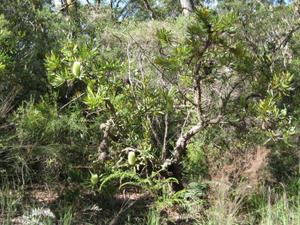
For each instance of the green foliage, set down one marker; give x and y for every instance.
(270, 113)
(25, 49)
(42, 123)
(67, 217)
(195, 165)
(8, 205)
(148, 105)
(284, 211)
(151, 184)
(153, 218)
(4, 37)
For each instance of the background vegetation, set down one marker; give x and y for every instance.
(149, 112)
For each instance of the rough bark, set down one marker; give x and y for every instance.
(98, 2)
(72, 7)
(173, 164)
(187, 6)
(149, 9)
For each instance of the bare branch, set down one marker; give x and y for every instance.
(182, 142)
(286, 39)
(150, 10)
(154, 133)
(164, 148)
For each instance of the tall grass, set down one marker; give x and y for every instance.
(67, 217)
(8, 205)
(285, 211)
(224, 206)
(227, 208)
(153, 218)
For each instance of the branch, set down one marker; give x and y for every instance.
(124, 208)
(154, 132)
(164, 149)
(198, 96)
(227, 97)
(73, 100)
(110, 106)
(150, 10)
(287, 38)
(183, 141)
(198, 78)
(163, 77)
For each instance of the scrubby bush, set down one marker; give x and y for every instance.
(195, 113)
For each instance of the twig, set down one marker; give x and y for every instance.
(185, 122)
(115, 220)
(287, 37)
(164, 148)
(154, 132)
(150, 10)
(129, 63)
(74, 99)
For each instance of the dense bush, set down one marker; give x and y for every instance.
(198, 114)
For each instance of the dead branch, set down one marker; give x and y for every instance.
(164, 148)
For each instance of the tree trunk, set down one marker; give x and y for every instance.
(173, 165)
(98, 2)
(149, 9)
(72, 7)
(187, 6)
